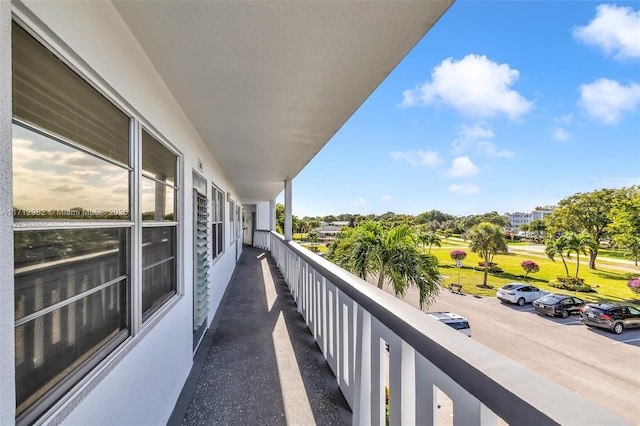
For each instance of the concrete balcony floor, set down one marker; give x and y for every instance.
(258, 363)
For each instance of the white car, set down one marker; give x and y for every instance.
(520, 293)
(456, 321)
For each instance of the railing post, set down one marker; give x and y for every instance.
(363, 370)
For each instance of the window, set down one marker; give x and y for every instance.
(232, 220)
(238, 221)
(74, 234)
(158, 195)
(217, 221)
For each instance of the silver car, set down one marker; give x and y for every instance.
(519, 293)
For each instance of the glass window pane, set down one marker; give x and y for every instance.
(50, 95)
(159, 281)
(50, 347)
(157, 160)
(54, 181)
(52, 266)
(158, 201)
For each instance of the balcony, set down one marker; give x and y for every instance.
(300, 341)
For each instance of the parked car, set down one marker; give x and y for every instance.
(456, 321)
(519, 293)
(614, 317)
(558, 305)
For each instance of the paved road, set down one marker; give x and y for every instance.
(598, 365)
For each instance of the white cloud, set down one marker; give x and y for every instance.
(468, 136)
(564, 120)
(477, 137)
(359, 202)
(615, 30)
(607, 99)
(465, 189)
(386, 197)
(474, 86)
(491, 150)
(461, 167)
(417, 158)
(561, 134)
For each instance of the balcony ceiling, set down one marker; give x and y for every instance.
(267, 84)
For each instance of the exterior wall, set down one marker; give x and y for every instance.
(519, 218)
(140, 382)
(263, 216)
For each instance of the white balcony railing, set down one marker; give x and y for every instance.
(352, 321)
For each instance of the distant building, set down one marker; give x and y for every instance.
(520, 218)
(327, 232)
(340, 223)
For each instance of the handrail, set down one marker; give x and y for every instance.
(515, 393)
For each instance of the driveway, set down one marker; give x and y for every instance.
(598, 365)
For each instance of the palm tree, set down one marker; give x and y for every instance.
(487, 240)
(579, 243)
(390, 255)
(558, 246)
(430, 238)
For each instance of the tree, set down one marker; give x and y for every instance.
(389, 255)
(584, 212)
(280, 218)
(487, 240)
(538, 226)
(469, 222)
(312, 236)
(579, 243)
(430, 238)
(557, 246)
(530, 267)
(625, 221)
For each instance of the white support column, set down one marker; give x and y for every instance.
(288, 219)
(7, 330)
(272, 215)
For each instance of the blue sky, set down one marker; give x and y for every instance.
(503, 105)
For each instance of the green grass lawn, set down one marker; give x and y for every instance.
(609, 284)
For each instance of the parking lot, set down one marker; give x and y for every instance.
(598, 365)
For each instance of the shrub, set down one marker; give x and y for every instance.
(493, 268)
(571, 284)
(634, 285)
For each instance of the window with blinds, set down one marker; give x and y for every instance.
(201, 265)
(217, 221)
(74, 279)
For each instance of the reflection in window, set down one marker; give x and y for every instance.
(54, 265)
(217, 221)
(52, 180)
(157, 200)
(159, 281)
(49, 346)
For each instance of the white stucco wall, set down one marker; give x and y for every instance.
(263, 216)
(143, 386)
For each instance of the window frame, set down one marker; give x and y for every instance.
(218, 197)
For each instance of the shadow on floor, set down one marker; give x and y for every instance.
(258, 363)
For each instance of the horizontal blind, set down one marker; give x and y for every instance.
(48, 94)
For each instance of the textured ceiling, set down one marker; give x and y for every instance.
(267, 84)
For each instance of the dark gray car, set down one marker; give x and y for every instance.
(611, 316)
